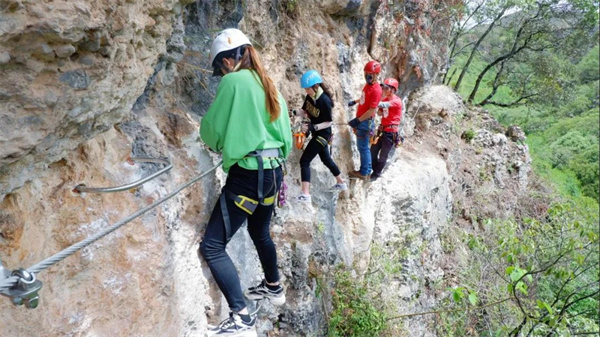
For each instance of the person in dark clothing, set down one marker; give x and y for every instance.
(390, 109)
(317, 106)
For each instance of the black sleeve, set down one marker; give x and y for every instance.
(325, 105)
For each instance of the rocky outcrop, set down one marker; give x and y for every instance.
(70, 71)
(87, 84)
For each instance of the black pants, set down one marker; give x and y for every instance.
(241, 182)
(316, 147)
(380, 152)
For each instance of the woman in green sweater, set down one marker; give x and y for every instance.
(248, 123)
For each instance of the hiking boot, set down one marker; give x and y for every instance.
(374, 177)
(234, 326)
(261, 291)
(356, 174)
(340, 187)
(304, 197)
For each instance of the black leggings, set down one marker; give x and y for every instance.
(380, 152)
(313, 148)
(241, 181)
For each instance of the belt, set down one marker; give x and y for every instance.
(273, 155)
(322, 126)
(247, 204)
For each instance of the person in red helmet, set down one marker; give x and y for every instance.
(390, 109)
(364, 122)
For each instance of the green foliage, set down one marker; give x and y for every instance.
(354, 309)
(571, 146)
(320, 227)
(588, 67)
(563, 148)
(544, 272)
(468, 135)
(562, 119)
(291, 6)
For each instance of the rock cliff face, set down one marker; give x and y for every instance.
(87, 84)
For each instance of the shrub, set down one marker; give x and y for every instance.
(354, 310)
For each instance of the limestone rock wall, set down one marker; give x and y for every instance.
(86, 84)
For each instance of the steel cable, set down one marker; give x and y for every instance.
(9, 282)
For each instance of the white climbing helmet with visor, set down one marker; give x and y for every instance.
(228, 43)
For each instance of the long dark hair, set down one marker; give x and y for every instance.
(251, 60)
(327, 90)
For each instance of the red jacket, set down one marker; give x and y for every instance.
(392, 115)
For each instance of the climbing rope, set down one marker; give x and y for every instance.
(11, 281)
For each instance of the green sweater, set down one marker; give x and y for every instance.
(238, 122)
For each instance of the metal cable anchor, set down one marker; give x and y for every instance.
(25, 291)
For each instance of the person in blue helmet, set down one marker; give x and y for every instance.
(317, 105)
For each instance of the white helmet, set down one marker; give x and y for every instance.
(227, 39)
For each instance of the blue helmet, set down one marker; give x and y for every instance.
(310, 78)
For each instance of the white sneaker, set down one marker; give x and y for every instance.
(234, 326)
(261, 291)
(304, 198)
(340, 187)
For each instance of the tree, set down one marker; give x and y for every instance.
(547, 26)
(512, 37)
(497, 14)
(541, 276)
(467, 17)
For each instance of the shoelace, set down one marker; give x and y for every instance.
(263, 284)
(228, 323)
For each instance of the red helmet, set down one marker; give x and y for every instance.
(373, 67)
(391, 82)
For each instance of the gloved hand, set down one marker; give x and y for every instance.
(383, 105)
(354, 122)
(351, 103)
(299, 112)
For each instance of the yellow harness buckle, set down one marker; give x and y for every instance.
(248, 205)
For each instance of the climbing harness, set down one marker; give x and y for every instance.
(273, 155)
(322, 141)
(21, 285)
(82, 188)
(375, 137)
(246, 203)
(371, 128)
(322, 126)
(398, 140)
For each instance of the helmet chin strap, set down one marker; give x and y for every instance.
(238, 57)
(238, 54)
